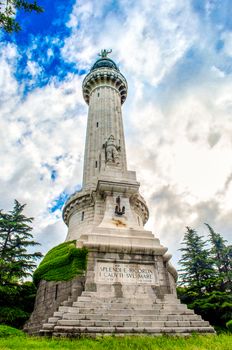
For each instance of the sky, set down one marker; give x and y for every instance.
(177, 58)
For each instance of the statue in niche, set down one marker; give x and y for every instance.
(118, 209)
(111, 151)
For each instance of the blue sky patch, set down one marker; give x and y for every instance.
(58, 202)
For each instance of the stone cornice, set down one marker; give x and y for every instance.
(104, 77)
(78, 200)
(140, 207)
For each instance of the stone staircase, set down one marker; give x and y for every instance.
(92, 315)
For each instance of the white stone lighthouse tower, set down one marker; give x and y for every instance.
(109, 209)
(129, 285)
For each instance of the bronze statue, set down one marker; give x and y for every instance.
(104, 53)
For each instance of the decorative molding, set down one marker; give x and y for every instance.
(140, 207)
(104, 77)
(77, 202)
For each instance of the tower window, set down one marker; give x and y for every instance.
(96, 164)
(98, 94)
(82, 216)
(138, 220)
(56, 291)
(97, 125)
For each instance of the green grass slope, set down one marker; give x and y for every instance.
(61, 263)
(209, 342)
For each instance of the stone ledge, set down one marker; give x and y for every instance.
(127, 249)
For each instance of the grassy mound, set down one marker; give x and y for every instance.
(7, 331)
(62, 263)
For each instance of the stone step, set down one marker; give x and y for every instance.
(124, 303)
(119, 317)
(63, 308)
(53, 319)
(126, 300)
(58, 314)
(67, 303)
(144, 324)
(48, 326)
(129, 311)
(118, 306)
(85, 298)
(75, 330)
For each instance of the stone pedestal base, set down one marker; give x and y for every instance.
(129, 291)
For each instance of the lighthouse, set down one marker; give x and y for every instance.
(129, 284)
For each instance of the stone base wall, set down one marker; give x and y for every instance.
(51, 295)
(128, 290)
(127, 272)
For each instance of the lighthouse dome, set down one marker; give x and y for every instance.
(104, 62)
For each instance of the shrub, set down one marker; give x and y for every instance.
(229, 325)
(13, 316)
(7, 331)
(62, 263)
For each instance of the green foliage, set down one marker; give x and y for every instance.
(15, 237)
(197, 266)
(229, 325)
(222, 257)
(7, 331)
(8, 10)
(13, 316)
(16, 303)
(205, 279)
(16, 297)
(62, 263)
(204, 342)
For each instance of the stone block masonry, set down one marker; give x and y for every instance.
(137, 302)
(50, 296)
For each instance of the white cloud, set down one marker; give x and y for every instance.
(36, 131)
(147, 37)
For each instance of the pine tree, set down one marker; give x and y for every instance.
(15, 237)
(197, 271)
(205, 275)
(222, 256)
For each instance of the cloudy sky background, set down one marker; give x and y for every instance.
(177, 58)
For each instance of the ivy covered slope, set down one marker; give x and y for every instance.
(62, 263)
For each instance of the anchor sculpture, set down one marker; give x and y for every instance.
(118, 209)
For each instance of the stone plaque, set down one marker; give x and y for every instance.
(109, 272)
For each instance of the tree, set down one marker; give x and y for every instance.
(204, 279)
(16, 297)
(8, 9)
(197, 271)
(15, 237)
(222, 257)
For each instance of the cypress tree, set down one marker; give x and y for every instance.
(222, 257)
(197, 271)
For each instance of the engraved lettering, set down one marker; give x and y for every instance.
(128, 273)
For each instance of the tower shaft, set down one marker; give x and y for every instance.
(105, 142)
(110, 191)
